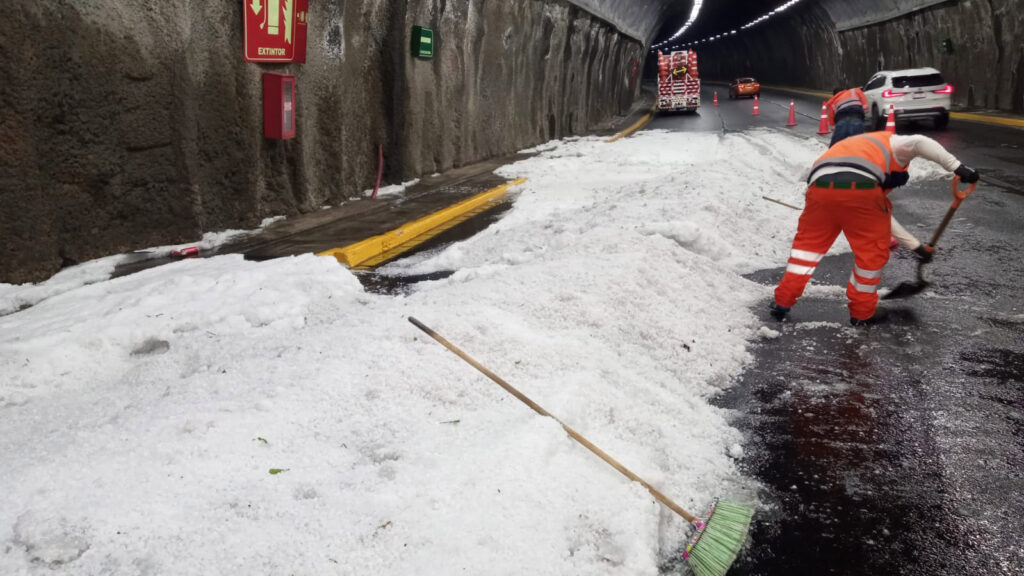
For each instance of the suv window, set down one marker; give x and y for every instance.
(917, 81)
(876, 82)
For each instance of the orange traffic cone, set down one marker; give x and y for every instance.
(890, 122)
(756, 113)
(823, 125)
(716, 97)
(792, 115)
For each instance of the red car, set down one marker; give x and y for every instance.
(744, 87)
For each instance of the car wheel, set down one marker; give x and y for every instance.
(942, 121)
(877, 122)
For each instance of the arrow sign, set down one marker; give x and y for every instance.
(269, 30)
(275, 30)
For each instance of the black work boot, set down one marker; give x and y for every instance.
(880, 316)
(778, 312)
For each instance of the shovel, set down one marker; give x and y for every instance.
(907, 289)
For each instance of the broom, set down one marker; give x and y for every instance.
(716, 540)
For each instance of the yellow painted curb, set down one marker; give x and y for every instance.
(986, 119)
(371, 251)
(628, 131)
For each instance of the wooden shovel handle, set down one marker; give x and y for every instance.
(572, 433)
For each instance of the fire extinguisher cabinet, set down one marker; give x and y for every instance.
(278, 106)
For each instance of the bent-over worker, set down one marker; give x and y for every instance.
(846, 109)
(847, 192)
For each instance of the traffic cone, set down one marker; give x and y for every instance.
(823, 125)
(756, 113)
(716, 97)
(792, 115)
(890, 122)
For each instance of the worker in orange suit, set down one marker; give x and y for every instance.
(846, 110)
(848, 192)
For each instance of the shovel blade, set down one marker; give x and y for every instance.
(905, 290)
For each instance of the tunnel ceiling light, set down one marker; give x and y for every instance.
(689, 22)
(755, 21)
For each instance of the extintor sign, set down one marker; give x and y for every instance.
(271, 30)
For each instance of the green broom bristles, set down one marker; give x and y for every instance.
(717, 542)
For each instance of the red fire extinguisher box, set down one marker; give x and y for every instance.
(278, 106)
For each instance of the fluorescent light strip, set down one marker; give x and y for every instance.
(693, 16)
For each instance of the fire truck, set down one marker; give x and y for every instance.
(678, 81)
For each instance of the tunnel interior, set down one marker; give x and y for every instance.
(125, 129)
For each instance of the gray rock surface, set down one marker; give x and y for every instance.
(125, 125)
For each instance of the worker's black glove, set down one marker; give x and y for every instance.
(895, 180)
(967, 174)
(924, 253)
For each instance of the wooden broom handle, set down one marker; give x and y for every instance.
(572, 433)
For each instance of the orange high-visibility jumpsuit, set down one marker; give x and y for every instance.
(858, 207)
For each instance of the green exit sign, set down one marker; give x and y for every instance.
(422, 42)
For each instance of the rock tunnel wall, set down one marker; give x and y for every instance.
(640, 19)
(983, 59)
(126, 125)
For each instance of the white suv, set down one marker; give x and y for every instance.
(916, 93)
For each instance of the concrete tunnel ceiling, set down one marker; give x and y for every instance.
(653, 21)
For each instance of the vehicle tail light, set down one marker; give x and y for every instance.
(891, 94)
(947, 90)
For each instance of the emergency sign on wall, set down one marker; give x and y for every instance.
(275, 30)
(278, 106)
(422, 42)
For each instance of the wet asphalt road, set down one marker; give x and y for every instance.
(897, 449)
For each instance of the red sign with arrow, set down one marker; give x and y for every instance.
(271, 31)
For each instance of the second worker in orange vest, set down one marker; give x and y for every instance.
(846, 109)
(849, 185)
